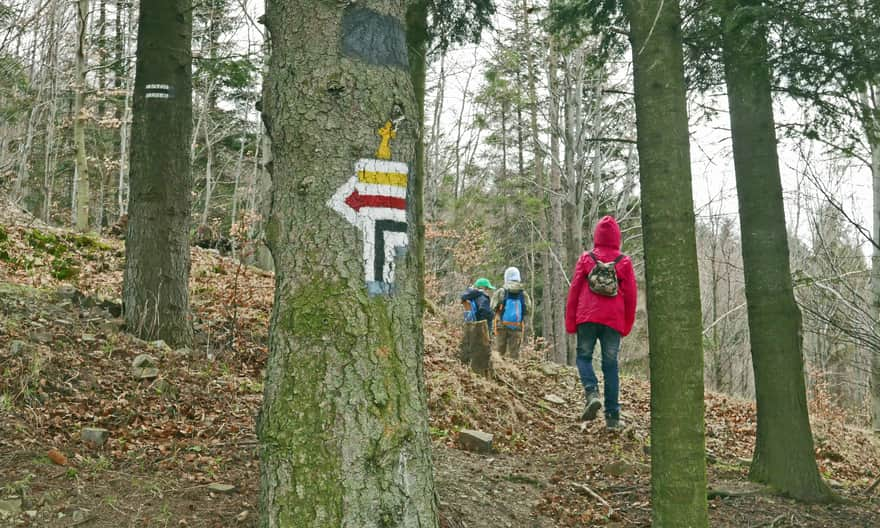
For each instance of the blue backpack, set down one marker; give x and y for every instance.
(470, 312)
(514, 310)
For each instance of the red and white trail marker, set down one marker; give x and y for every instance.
(374, 199)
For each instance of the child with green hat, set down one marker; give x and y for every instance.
(477, 302)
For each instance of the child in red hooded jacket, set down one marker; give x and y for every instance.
(602, 318)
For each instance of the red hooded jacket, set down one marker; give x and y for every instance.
(584, 306)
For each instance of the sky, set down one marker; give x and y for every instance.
(714, 183)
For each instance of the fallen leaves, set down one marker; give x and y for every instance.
(57, 457)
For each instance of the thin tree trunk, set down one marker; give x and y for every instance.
(434, 174)
(417, 39)
(20, 187)
(678, 459)
(157, 259)
(81, 182)
(557, 246)
(121, 195)
(531, 73)
(343, 429)
(209, 167)
(503, 176)
(872, 127)
(233, 235)
(784, 456)
(459, 175)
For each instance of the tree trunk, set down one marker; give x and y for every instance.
(475, 350)
(81, 202)
(157, 258)
(557, 246)
(531, 73)
(784, 456)
(234, 233)
(209, 165)
(433, 188)
(417, 39)
(121, 195)
(678, 459)
(343, 427)
(872, 127)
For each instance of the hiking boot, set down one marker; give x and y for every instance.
(613, 424)
(591, 409)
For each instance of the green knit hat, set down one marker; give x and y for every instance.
(483, 282)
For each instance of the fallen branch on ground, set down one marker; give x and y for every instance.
(603, 502)
(873, 486)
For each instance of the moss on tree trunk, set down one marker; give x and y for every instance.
(343, 429)
(678, 461)
(784, 455)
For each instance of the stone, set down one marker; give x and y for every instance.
(143, 361)
(16, 347)
(10, 507)
(67, 291)
(549, 369)
(217, 487)
(41, 336)
(618, 468)
(476, 441)
(183, 352)
(113, 307)
(88, 338)
(113, 325)
(94, 435)
(242, 517)
(552, 398)
(160, 345)
(144, 373)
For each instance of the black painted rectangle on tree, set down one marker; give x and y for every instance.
(374, 38)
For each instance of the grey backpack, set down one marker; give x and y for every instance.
(603, 276)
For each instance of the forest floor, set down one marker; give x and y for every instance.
(182, 451)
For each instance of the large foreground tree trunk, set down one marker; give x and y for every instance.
(157, 260)
(784, 456)
(343, 429)
(678, 460)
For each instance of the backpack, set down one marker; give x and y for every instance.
(476, 304)
(470, 310)
(603, 277)
(513, 311)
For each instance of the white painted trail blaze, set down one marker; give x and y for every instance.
(374, 199)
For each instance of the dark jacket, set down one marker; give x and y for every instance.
(484, 312)
(584, 306)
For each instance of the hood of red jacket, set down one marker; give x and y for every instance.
(607, 233)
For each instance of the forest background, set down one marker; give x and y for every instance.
(530, 139)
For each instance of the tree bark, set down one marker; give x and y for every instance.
(872, 126)
(678, 460)
(157, 258)
(343, 429)
(538, 155)
(784, 456)
(81, 201)
(475, 350)
(556, 250)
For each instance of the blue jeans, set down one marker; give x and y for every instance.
(609, 340)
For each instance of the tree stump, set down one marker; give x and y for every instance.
(475, 350)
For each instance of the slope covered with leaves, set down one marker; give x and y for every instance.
(181, 449)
